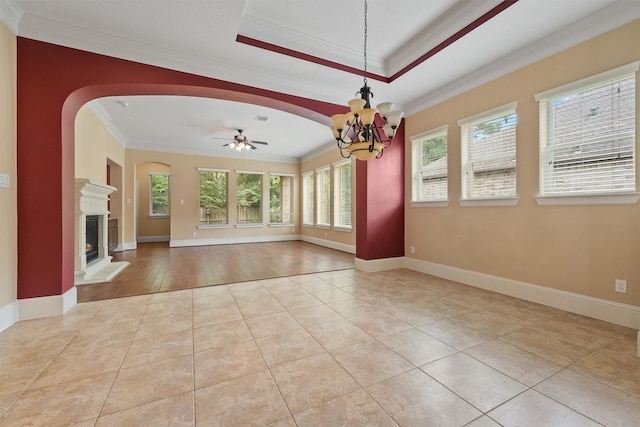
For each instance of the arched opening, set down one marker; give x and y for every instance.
(55, 82)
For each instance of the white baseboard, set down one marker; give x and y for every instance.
(351, 249)
(55, 305)
(231, 240)
(375, 265)
(151, 239)
(127, 246)
(609, 311)
(8, 315)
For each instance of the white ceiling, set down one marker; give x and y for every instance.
(199, 37)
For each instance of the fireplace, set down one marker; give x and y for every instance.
(92, 238)
(92, 261)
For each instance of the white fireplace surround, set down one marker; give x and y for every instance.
(91, 199)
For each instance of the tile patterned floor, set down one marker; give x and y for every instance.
(325, 349)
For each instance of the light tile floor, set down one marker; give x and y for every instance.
(326, 349)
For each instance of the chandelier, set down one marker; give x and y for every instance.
(357, 132)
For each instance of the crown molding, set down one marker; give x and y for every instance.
(443, 27)
(607, 19)
(115, 133)
(263, 157)
(329, 146)
(269, 32)
(98, 110)
(107, 121)
(54, 32)
(10, 14)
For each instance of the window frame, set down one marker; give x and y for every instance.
(467, 164)
(337, 192)
(215, 225)
(152, 214)
(308, 198)
(291, 197)
(609, 197)
(323, 196)
(417, 169)
(259, 223)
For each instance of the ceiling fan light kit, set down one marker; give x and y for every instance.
(357, 132)
(240, 142)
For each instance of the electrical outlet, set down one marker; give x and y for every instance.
(412, 249)
(193, 234)
(621, 286)
(5, 180)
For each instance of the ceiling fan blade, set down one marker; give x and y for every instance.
(253, 147)
(226, 145)
(259, 142)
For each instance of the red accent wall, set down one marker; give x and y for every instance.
(54, 82)
(380, 203)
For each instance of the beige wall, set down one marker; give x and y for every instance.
(94, 149)
(8, 197)
(151, 226)
(328, 159)
(90, 146)
(580, 249)
(184, 185)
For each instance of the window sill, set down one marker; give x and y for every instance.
(159, 216)
(589, 199)
(308, 225)
(497, 201)
(256, 225)
(280, 224)
(208, 226)
(342, 228)
(430, 204)
(323, 226)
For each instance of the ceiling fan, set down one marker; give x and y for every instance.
(241, 142)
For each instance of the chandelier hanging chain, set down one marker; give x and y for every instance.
(365, 42)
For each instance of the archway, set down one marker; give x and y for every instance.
(54, 82)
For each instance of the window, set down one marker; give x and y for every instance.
(429, 166)
(307, 198)
(587, 135)
(159, 194)
(489, 154)
(323, 178)
(249, 197)
(213, 196)
(280, 198)
(342, 195)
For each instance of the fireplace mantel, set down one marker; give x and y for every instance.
(92, 198)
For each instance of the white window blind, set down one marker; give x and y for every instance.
(587, 135)
(307, 198)
(342, 194)
(489, 154)
(429, 169)
(323, 200)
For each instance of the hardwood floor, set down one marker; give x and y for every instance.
(155, 267)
